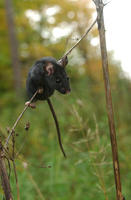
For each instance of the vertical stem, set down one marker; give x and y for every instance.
(16, 179)
(4, 176)
(101, 28)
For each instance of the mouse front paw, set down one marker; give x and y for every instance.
(40, 90)
(31, 105)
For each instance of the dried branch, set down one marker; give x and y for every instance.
(13, 145)
(4, 176)
(16, 179)
(14, 166)
(101, 27)
(18, 119)
(12, 133)
(57, 126)
(8, 161)
(78, 42)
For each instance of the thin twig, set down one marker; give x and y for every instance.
(4, 176)
(19, 117)
(8, 166)
(57, 126)
(77, 43)
(101, 28)
(13, 161)
(21, 147)
(13, 145)
(16, 179)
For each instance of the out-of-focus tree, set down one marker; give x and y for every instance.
(13, 45)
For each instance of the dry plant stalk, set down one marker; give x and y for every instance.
(77, 43)
(4, 176)
(101, 27)
(14, 166)
(18, 119)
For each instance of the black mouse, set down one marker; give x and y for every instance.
(46, 76)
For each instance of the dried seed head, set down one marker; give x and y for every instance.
(27, 126)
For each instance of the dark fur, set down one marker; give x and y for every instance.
(38, 77)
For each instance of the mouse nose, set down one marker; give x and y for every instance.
(68, 91)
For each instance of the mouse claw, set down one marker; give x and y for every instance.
(31, 105)
(40, 91)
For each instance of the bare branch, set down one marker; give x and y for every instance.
(16, 179)
(101, 27)
(18, 119)
(107, 3)
(4, 176)
(14, 166)
(77, 43)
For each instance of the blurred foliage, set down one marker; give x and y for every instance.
(49, 28)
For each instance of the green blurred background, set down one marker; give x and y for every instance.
(50, 28)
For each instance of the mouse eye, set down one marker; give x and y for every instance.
(58, 80)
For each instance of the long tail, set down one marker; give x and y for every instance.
(57, 126)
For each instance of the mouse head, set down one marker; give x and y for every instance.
(61, 79)
(55, 74)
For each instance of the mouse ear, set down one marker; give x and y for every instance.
(49, 68)
(63, 61)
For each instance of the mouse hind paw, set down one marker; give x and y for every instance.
(31, 105)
